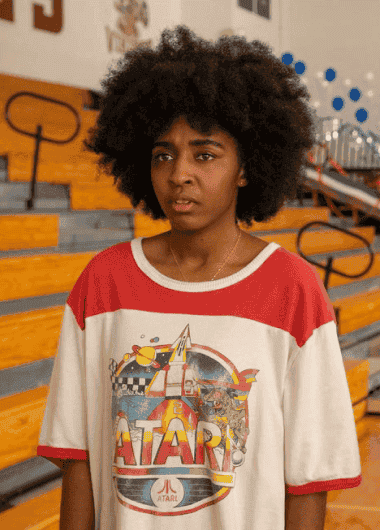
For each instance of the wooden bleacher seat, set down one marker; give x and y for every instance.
(23, 477)
(36, 281)
(359, 310)
(26, 276)
(29, 336)
(26, 113)
(20, 167)
(10, 84)
(59, 164)
(97, 196)
(21, 419)
(13, 142)
(28, 231)
(39, 513)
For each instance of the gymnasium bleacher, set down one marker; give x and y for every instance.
(77, 213)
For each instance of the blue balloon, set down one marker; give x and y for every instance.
(300, 67)
(287, 58)
(338, 103)
(330, 74)
(361, 115)
(355, 94)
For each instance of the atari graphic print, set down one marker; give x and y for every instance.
(199, 405)
(181, 426)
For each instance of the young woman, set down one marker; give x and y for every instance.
(234, 93)
(196, 369)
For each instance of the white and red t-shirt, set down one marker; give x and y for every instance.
(199, 404)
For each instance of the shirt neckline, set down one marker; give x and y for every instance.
(196, 287)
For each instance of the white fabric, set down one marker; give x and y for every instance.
(199, 404)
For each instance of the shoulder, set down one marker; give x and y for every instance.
(156, 248)
(110, 258)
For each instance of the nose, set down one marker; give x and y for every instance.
(181, 170)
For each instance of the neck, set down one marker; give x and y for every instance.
(202, 248)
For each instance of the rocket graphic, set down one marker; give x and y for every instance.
(197, 430)
(176, 379)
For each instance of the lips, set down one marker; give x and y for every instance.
(182, 198)
(182, 207)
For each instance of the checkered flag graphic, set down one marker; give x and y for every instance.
(113, 365)
(130, 385)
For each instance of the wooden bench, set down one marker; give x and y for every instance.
(28, 231)
(21, 418)
(20, 145)
(56, 120)
(75, 170)
(42, 274)
(97, 196)
(12, 84)
(39, 513)
(33, 230)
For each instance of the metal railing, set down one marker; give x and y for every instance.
(328, 268)
(344, 142)
(320, 169)
(38, 135)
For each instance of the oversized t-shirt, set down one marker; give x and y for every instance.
(198, 405)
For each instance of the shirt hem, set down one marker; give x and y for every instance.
(62, 452)
(324, 485)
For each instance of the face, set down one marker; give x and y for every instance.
(209, 174)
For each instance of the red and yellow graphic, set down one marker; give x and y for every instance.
(181, 432)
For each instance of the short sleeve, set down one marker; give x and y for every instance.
(321, 446)
(64, 429)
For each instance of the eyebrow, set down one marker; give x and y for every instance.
(193, 142)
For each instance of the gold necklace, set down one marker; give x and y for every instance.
(220, 267)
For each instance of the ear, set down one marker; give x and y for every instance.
(242, 180)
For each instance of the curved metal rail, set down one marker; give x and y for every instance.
(328, 268)
(38, 135)
(320, 168)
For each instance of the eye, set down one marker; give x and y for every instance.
(167, 154)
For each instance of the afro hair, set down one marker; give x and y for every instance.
(235, 85)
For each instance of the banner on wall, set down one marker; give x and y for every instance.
(121, 38)
(74, 43)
